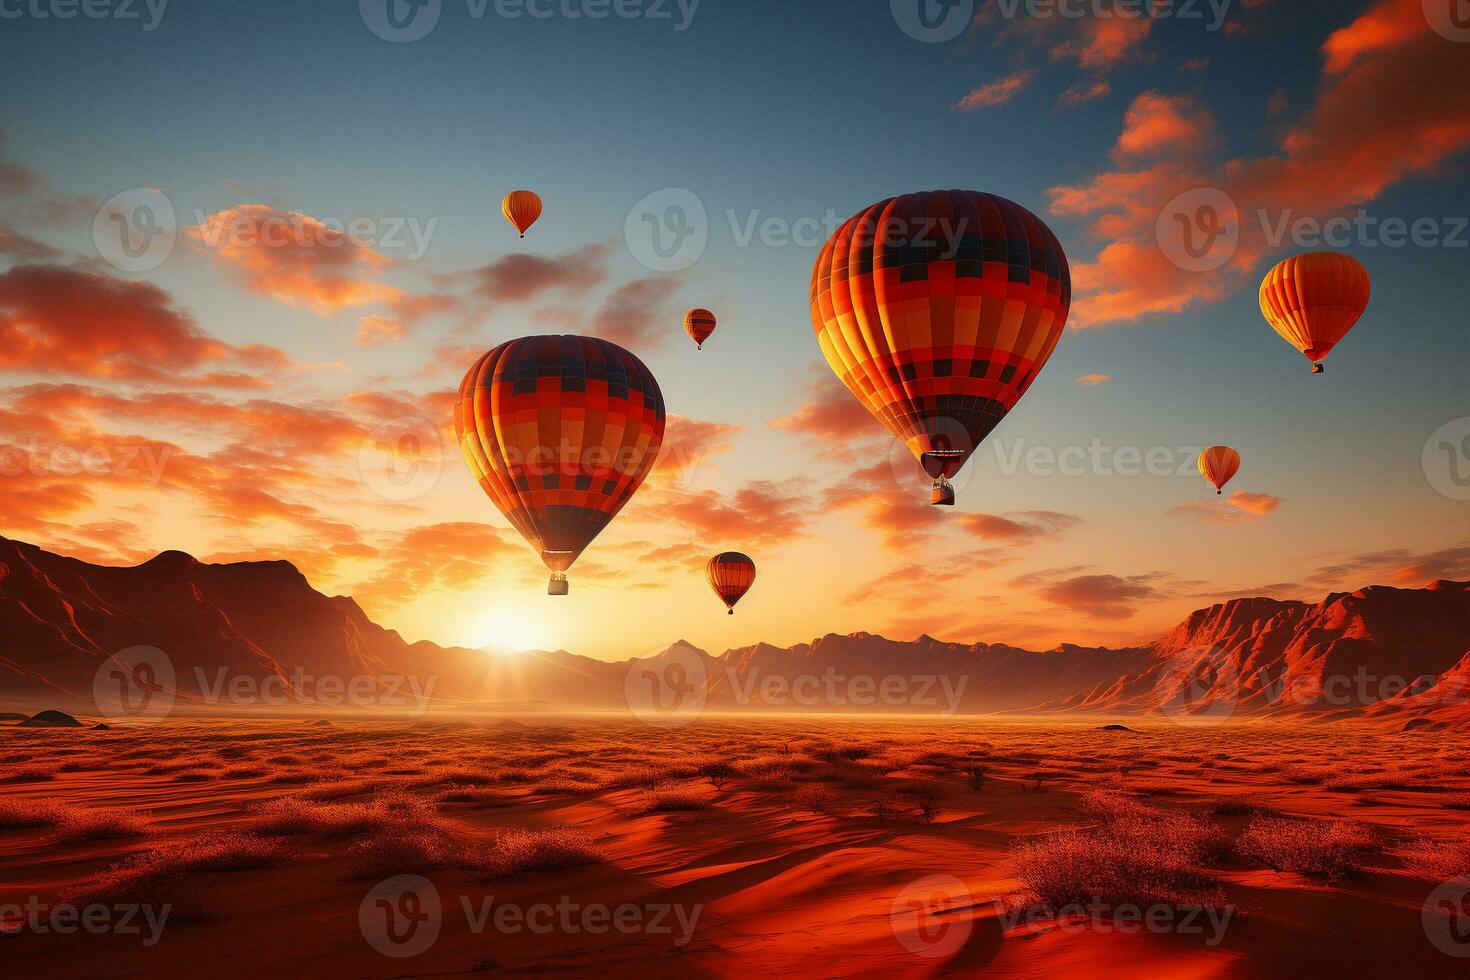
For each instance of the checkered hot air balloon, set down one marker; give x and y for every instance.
(699, 323)
(731, 575)
(560, 432)
(937, 311)
(1313, 300)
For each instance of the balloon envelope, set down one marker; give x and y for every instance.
(1313, 300)
(1219, 464)
(730, 574)
(699, 323)
(521, 208)
(937, 310)
(560, 432)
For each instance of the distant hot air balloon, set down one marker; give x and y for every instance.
(560, 432)
(1219, 464)
(1313, 300)
(521, 208)
(937, 310)
(730, 574)
(699, 323)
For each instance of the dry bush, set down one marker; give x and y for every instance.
(21, 814)
(167, 876)
(89, 825)
(817, 799)
(671, 798)
(404, 850)
(332, 792)
(1437, 860)
(516, 851)
(1129, 861)
(1316, 848)
(1242, 806)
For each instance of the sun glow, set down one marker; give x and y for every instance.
(510, 631)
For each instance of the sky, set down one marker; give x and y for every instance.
(315, 254)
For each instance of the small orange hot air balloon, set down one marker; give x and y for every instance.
(521, 208)
(1313, 300)
(1219, 464)
(559, 432)
(699, 323)
(730, 574)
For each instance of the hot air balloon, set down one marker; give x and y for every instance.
(730, 574)
(1219, 464)
(1313, 300)
(559, 432)
(937, 310)
(521, 208)
(699, 323)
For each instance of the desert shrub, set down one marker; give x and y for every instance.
(817, 799)
(1242, 806)
(718, 773)
(168, 875)
(401, 850)
(1316, 848)
(30, 774)
(1435, 859)
(20, 814)
(672, 797)
(1135, 861)
(516, 851)
(89, 825)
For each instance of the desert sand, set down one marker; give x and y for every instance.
(774, 846)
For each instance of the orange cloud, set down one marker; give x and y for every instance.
(1389, 109)
(1084, 92)
(639, 314)
(1093, 380)
(450, 556)
(1241, 507)
(375, 330)
(59, 320)
(1097, 596)
(996, 93)
(688, 445)
(295, 258)
(1019, 526)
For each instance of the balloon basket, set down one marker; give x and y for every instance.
(942, 494)
(558, 585)
(1319, 368)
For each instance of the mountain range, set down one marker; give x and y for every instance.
(220, 637)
